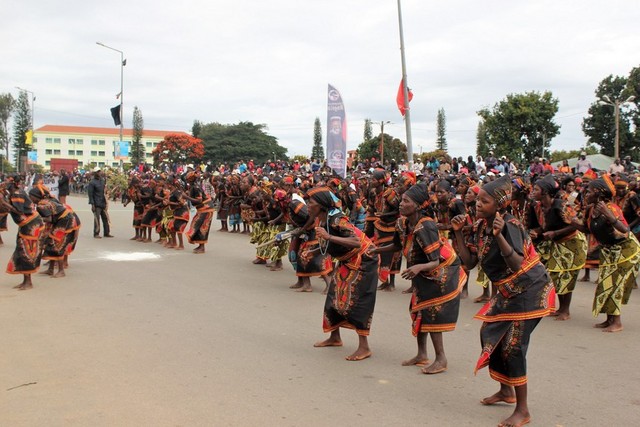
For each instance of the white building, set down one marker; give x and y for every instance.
(90, 144)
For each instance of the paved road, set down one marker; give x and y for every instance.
(139, 335)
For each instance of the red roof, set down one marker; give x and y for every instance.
(84, 130)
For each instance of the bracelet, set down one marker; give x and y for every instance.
(507, 255)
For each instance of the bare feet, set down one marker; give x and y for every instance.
(409, 290)
(562, 316)
(198, 251)
(305, 289)
(602, 325)
(24, 287)
(180, 248)
(614, 327)
(259, 261)
(464, 294)
(329, 342)
(499, 397)
(482, 298)
(47, 272)
(416, 361)
(360, 354)
(296, 285)
(390, 288)
(584, 278)
(435, 368)
(58, 274)
(517, 419)
(383, 286)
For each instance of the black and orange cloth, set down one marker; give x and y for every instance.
(387, 213)
(435, 301)
(304, 255)
(200, 226)
(180, 212)
(27, 255)
(352, 294)
(60, 235)
(523, 297)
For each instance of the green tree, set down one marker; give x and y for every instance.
(368, 132)
(482, 140)
(633, 89)
(196, 128)
(7, 104)
(560, 155)
(394, 149)
(21, 124)
(600, 125)
(441, 132)
(318, 150)
(137, 147)
(521, 126)
(245, 140)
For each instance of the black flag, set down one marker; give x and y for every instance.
(115, 113)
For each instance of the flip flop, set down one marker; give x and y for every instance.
(437, 371)
(520, 424)
(501, 399)
(358, 358)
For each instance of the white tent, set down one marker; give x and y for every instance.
(599, 161)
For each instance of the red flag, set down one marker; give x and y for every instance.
(400, 97)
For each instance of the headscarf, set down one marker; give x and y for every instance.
(548, 184)
(604, 185)
(419, 194)
(325, 198)
(409, 177)
(288, 180)
(500, 190)
(590, 174)
(298, 212)
(39, 191)
(475, 189)
(379, 175)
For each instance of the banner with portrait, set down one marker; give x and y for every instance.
(121, 150)
(336, 133)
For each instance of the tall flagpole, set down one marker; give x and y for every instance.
(407, 116)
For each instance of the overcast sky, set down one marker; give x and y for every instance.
(270, 61)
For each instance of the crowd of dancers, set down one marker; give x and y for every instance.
(529, 237)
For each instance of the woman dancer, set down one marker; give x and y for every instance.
(436, 277)
(525, 294)
(352, 293)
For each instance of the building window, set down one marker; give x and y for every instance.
(48, 140)
(101, 164)
(57, 140)
(155, 144)
(101, 154)
(79, 152)
(115, 164)
(72, 141)
(101, 142)
(48, 152)
(148, 144)
(47, 163)
(94, 153)
(148, 155)
(71, 153)
(56, 152)
(79, 142)
(35, 139)
(94, 142)
(80, 163)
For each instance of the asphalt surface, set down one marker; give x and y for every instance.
(140, 335)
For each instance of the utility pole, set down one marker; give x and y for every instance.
(407, 116)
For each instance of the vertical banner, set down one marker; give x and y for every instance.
(336, 133)
(121, 150)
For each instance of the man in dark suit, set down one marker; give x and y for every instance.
(98, 202)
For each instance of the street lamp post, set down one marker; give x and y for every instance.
(616, 109)
(123, 62)
(33, 107)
